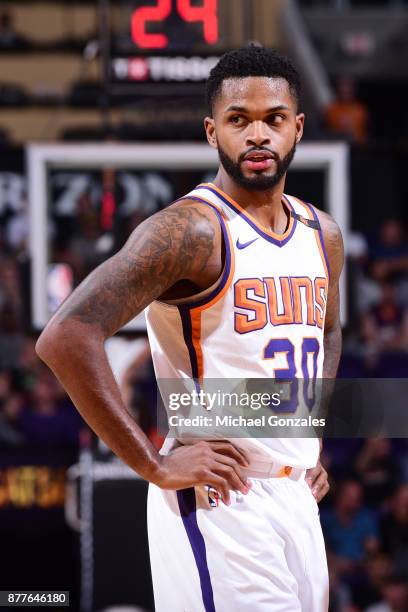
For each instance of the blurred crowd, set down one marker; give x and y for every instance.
(376, 339)
(365, 524)
(34, 410)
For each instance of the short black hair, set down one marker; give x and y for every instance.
(252, 60)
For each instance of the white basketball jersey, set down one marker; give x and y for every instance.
(264, 317)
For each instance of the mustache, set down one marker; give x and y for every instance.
(273, 154)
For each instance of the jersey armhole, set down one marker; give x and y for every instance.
(319, 237)
(208, 294)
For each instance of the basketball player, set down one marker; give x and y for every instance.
(239, 280)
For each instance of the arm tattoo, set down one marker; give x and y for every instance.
(332, 330)
(172, 245)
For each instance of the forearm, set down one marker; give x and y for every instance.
(75, 353)
(332, 350)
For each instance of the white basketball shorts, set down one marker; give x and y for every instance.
(263, 553)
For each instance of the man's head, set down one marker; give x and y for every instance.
(349, 498)
(253, 96)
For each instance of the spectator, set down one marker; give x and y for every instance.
(47, 420)
(9, 38)
(378, 469)
(11, 337)
(84, 246)
(339, 594)
(338, 456)
(348, 116)
(385, 325)
(10, 410)
(388, 255)
(378, 570)
(395, 597)
(394, 529)
(350, 529)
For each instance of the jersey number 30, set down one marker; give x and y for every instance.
(309, 352)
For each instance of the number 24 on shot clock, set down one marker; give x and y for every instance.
(187, 10)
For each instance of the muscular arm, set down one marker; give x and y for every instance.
(332, 328)
(181, 243)
(317, 477)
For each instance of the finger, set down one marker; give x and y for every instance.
(226, 448)
(319, 483)
(323, 490)
(221, 485)
(312, 475)
(234, 465)
(234, 481)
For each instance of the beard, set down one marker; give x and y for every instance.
(259, 182)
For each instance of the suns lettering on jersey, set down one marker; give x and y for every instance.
(320, 291)
(286, 316)
(284, 301)
(257, 317)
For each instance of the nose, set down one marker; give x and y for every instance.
(257, 134)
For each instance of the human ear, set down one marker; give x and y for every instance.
(209, 125)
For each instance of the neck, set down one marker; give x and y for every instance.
(266, 206)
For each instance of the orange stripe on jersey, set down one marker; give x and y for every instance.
(229, 279)
(297, 283)
(243, 324)
(243, 212)
(286, 317)
(206, 201)
(195, 312)
(321, 300)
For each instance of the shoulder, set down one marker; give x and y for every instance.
(186, 219)
(204, 215)
(333, 239)
(330, 228)
(183, 224)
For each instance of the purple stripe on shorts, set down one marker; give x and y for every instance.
(187, 504)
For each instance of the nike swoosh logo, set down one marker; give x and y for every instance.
(243, 245)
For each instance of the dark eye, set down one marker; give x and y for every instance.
(236, 119)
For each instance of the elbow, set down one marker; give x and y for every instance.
(65, 338)
(57, 337)
(48, 344)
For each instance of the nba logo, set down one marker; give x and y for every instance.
(213, 497)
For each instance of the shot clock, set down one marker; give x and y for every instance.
(164, 41)
(169, 26)
(149, 24)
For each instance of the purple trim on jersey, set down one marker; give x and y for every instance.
(186, 307)
(321, 238)
(227, 266)
(184, 311)
(271, 239)
(187, 504)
